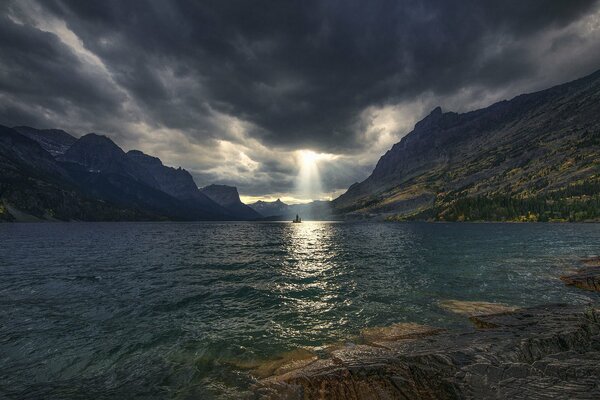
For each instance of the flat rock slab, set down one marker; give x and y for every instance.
(279, 365)
(475, 308)
(399, 331)
(546, 352)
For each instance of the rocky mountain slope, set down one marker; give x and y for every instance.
(54, 141)
(535, 157)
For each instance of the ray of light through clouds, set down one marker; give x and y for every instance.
(293, 100)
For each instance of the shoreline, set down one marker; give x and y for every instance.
(546, 351)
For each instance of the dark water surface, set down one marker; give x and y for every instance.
(167, 310)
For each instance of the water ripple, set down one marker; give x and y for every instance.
(168, 310)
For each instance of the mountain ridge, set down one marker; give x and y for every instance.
(94, 179)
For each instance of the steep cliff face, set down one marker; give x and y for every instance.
(229, 198)
(531, 146)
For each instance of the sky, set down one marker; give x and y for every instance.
(239, 92)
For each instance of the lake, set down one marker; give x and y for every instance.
(179, 310)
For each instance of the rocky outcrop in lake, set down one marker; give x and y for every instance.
(588, 277)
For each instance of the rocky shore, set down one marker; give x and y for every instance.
(543, 352)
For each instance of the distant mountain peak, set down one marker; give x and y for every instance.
(94, 146)
(436, 111)
(95, 139)
(97, 136)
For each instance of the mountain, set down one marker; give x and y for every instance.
(27, 155)
(535, 157)
(33, 186)
(229, 198)
(176, 182)
(271, 208)
(97, 153)
(54, 141)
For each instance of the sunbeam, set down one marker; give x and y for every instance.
(308, 184)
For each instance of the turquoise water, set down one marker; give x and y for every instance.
(167, 310)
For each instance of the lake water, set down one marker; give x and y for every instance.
(172, 310)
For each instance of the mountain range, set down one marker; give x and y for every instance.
(535, 157)
(279, 211)
(51, 175)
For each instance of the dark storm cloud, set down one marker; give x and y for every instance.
(38, 73)
(303, 70)
(295, 74)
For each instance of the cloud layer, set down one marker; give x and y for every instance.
(231, 90)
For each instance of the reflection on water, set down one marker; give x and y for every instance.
(308, 285)
(184, 310)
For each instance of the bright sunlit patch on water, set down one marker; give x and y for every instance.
(309, 287)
